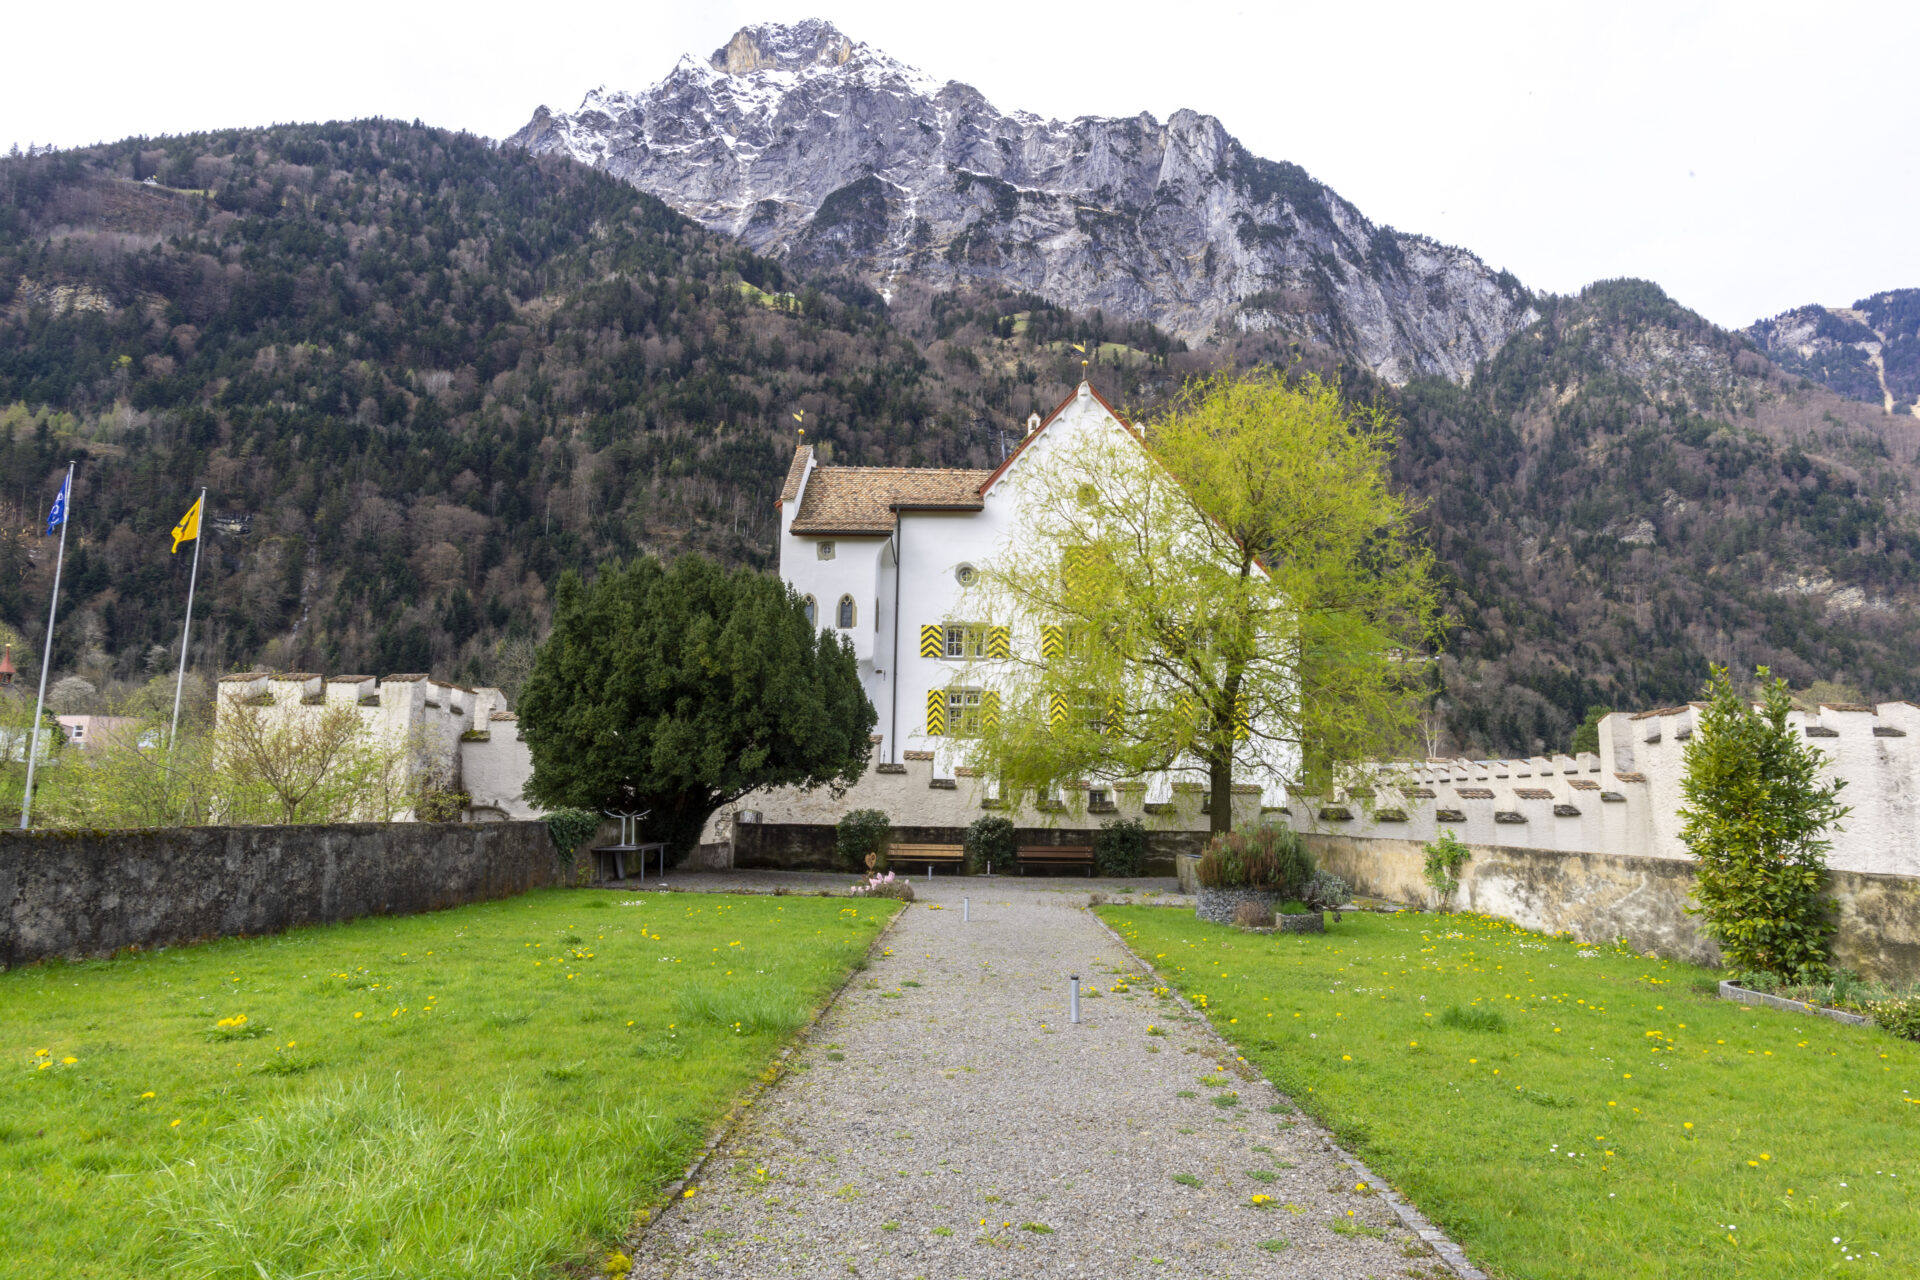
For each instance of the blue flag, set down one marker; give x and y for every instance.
(58, 516)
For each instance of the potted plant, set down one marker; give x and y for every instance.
(1263, 863)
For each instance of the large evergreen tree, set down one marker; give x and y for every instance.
(1757, 809)
(678, 688)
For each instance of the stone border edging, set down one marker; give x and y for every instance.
(1410, 1218)
(772, 1075)
(1733, 991)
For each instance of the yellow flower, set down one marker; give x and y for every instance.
(174, 1125)
(1346, 1057)
(41, 1053)
(1687, 1125)
(357, 1015)
(687, 1194)
(147, 1094)
(68, 1061)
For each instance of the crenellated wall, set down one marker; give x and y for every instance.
(460, 738)
(1625, 801)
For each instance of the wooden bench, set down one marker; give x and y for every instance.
(1056, 855)
(909, 856)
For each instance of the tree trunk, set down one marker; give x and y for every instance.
(1220, 793)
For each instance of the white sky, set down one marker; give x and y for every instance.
(1749, 157)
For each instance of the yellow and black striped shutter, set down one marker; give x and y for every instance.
(936, 713)
(990, 708)
(1056, 710)
(999, 642)
(1241, 724)
(1183, 706)
(931, 638)
(1052, 640)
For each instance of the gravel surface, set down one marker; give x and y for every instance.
(945, 1120)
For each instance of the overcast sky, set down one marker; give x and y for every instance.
(1749, 157)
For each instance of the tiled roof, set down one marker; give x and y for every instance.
(350, 679)
(862, 499)
(796, 472)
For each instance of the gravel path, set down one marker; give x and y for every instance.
(946, 1121)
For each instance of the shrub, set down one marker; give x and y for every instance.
(1755, 817)
(859, 833)
(1264, 855)
(570, 828)
(1899, 1015)
(1445, 857)
(1253, 915)
(440, 805)
(1120, 848)
(989, 839)
(1325, 891)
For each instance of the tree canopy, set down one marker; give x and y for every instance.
(1245, 593)
(679, 688)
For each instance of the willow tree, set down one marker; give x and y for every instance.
(1242, 590)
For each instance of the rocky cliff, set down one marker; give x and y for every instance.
(823, 151)
(1869, 351)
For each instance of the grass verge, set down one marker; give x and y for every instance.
(1569, 1111)
(480, 1092)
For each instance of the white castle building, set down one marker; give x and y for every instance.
(884, 556)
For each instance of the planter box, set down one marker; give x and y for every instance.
(1218, 905)
(1728, 991)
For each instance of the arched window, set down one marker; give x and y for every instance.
(845, 621)
(811, 609)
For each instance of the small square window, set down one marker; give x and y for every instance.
(963, 712)
(823, 549)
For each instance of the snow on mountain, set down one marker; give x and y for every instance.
(821, 150)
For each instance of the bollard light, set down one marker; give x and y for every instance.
(1073, 1009)
(965, 911)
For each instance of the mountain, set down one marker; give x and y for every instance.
(1869, 351)
(823, 152)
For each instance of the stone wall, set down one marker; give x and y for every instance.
(923, 791)
(802, 846)
(1599, 897)
(65, 893)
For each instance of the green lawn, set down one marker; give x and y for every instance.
(477, 1092)
(1572, 1111)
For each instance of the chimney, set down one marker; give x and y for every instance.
(6, 666)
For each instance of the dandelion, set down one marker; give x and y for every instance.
(68, 1061)
(357, 1014)
(687, 1194)
(174, 1125)
(147, 1094)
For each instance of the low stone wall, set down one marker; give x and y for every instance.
(1599, 897)
(70, 893)
(808, 846)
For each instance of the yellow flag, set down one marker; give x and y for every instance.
(189, 527)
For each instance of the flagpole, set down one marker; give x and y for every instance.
(46, 657)
(186, 630)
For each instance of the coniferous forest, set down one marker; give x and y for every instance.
(421, 374)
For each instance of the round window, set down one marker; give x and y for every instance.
(966, 573)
